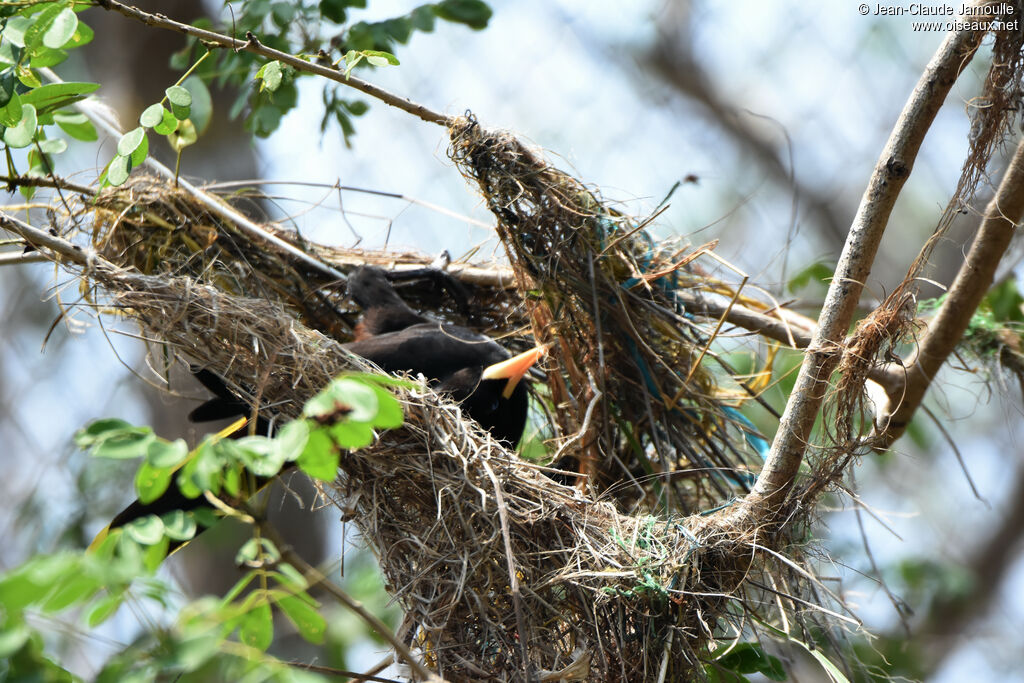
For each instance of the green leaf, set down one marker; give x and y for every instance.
(320, 457)
(749, 658)
(179, 525)
(104, 608)
(140, 153)
(248, 552)
(389, 410)
(151, 482)
(237, 589)
(282, 13)
(76, 588)
(344, 398)
(97, 430)
(45, 57)
(28, 77)
(204, 469)
(9, 89)
(352, 435)
(264, 119)
(147, 530)
(205, 517)
(14, 30)
(156, 554)
(422, 18)
(117, 171)
(380, 58)
(12, 639)
(167, 125)
(61, 30)
(356, 107)
(152, 116)
(22, 134)
(290, 442)
(41, 26)
(334, 10)
(472, 13)
(12, 113)
(817, 273)
(257, 628)
(83, 36)
(190, 653)
(181, 101)
(130, 141)
(259, 455)
(179, 96)
(77, 126)
(270, 74)
(310, 624)
(291, 578)
(53, 96)
(201, 109)
(183, 136)
(128, 443)
(831, 669)
(52, 146)
(1005, 302)
(166, 453)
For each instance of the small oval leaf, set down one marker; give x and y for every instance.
(61, 30)
(311, 625)
(117, 172)
(24, 131)
(130, 141)
(257, 629)
(152, 116)
(148, 530)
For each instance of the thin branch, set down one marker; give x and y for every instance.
(764, 503)
(316, 578)
(252, 44)
(17, 257)
(53, 181)
(40, 238)
(972, 282)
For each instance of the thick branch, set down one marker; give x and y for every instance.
(252, 44)
(764, 502)
(973, 281)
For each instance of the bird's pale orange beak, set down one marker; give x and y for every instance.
(514, 368)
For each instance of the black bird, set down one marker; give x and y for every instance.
(472, 368)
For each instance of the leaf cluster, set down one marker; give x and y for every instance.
(229, 635)
(33, 37)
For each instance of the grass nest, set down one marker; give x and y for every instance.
(502, 572)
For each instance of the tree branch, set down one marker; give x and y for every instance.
(764, 503)
(972, 282)
(252, 44)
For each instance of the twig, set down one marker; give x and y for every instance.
(49, 181)
(764, 502)
(315, 577)
(252, 44)
(17, 257)
(40, 238)
(351, 676)
(972, 282)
